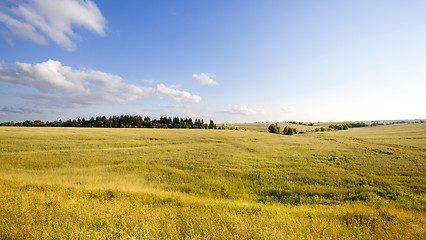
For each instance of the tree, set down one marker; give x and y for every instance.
(98, 122)
(212, 125)
(121, 122)
(289, 131)
(274, 128)
(285, 131)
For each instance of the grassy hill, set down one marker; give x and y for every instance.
(363, 183)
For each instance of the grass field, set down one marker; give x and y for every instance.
(362, 183)
(263, 127)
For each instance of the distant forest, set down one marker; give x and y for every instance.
(125, 121)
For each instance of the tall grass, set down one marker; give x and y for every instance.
(364, 183)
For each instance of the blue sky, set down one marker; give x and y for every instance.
(229, 61)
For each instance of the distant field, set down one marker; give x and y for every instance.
(362, 183)
(263, 127)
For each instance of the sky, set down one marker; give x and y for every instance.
(225, 60)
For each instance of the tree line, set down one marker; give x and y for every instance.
(342, 126)
(346, 126)
(125, 121)
(274, 128)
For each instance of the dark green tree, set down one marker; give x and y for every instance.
(285, 131)
(274, 128)
(212, 125)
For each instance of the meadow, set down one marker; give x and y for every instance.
(91, 183)
(260, 127)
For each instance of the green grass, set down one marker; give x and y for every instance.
(362, 183)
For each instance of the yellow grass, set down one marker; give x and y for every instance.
(365, 183)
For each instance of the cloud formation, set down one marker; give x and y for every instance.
(205, 78)
(244, 110)
(18, 110)
(180, 96)
(63, 86)
(38, 20)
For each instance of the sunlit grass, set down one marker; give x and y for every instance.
(364, 183)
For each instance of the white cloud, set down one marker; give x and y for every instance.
(205, 78)
(175, 106)
(55, 19)
(286, 109)
(244, 110)
(18, 110)
(150, 81)
(62, 86)
(20, 29)
(180, 96)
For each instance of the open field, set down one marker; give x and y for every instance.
(362, 183)
(263, 127)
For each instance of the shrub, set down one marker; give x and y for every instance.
(274, 128)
